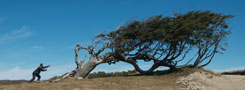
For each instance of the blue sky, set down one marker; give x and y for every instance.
(35, 31)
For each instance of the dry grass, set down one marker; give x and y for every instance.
(238, 72)
(158, 81)
(164, 82)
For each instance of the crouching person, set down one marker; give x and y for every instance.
(36, 73)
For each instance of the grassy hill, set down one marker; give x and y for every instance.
(184, 79)
(131, 80)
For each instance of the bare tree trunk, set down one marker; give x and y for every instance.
(85, 69)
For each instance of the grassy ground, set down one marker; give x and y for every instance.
(163, 80)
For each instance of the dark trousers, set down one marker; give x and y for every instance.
(34, 75)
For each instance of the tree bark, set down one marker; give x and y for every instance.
(85, 69)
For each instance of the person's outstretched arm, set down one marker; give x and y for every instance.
(43, 69)
(46, 66)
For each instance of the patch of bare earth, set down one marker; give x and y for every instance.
(202, 80)
(162, 82)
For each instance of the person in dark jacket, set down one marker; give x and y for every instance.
(36, 73)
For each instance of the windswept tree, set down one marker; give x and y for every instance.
(209, 36)
(164, 40)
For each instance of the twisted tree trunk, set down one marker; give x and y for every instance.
(83, 69)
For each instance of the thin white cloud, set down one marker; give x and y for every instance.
(57, 70)
(23, 32)
(36, 47)
(2, 19)
(230, 69)
(18, 73)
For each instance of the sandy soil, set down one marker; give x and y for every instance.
(208, 81)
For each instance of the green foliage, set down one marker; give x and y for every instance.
(112, 74)
(165, 39)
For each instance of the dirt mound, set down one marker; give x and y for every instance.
(202, 80)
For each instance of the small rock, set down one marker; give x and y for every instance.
(79, 78)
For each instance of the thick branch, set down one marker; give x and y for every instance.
(213, 53)
(90, 50)
(76, 56)
(132, 61)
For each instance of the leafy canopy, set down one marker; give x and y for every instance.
(164, 39)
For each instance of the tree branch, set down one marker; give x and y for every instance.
(76, 55)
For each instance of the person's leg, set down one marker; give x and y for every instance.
(38, 77)
(33, 77)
